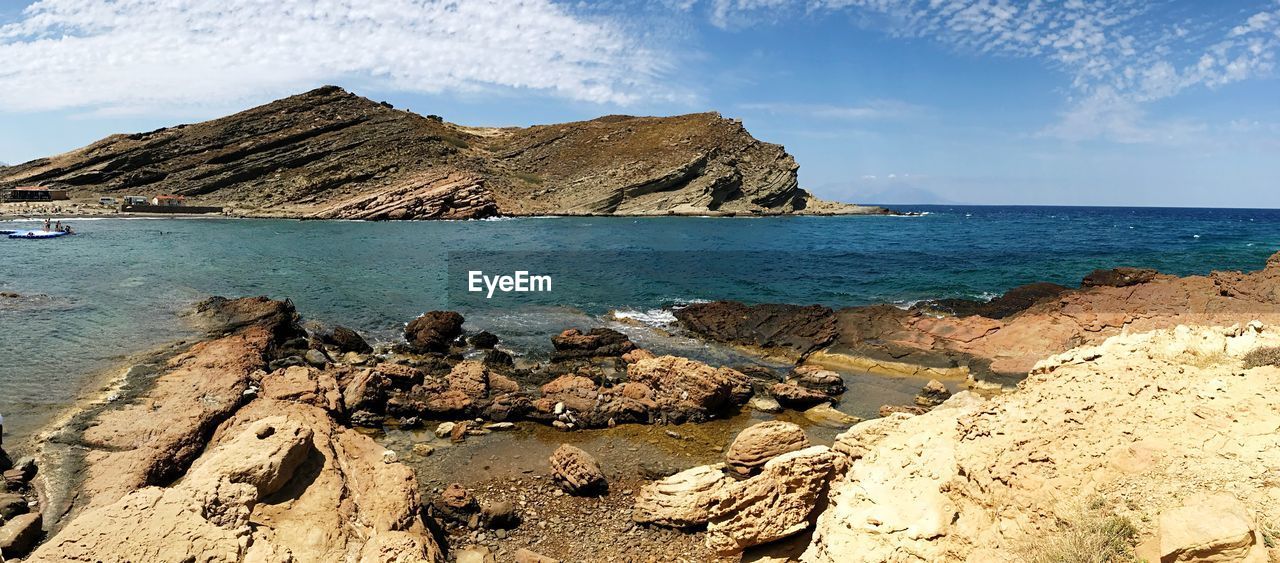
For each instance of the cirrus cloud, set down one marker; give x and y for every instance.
(115, 56)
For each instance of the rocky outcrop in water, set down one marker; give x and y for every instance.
(328, 153)
(789, 331)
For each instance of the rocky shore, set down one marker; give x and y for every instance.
(1151, 406)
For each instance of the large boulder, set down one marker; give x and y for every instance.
(777, 503)
(576, 472)
(597, 342)
(688, 390)
(434, 331)
(759, 443)
(682, 500)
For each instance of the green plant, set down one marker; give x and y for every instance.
(1266, 356)
(529, 178)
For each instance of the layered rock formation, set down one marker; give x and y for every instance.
(998, 340)
(1158, 439)
(328, 153)
(216, 459)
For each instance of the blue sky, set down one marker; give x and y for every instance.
(970, 101)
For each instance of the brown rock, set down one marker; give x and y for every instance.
(777, 503)
(456, 503)
(682, 500)
(576, 471)
(759, 443)
(19, 534)
(933, 394)
(483, 340)
(817, 379)
(688, 390)
(471, 378)
(637, 355)
(797, 397)
(367, 391)
(434, 331)
(791, 331)
(304, 385)
(11, 504)
(1119, 277)
(597, 342)
(576, 393)
(347, 340)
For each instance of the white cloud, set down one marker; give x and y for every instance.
(1118, 54)
(114, 56)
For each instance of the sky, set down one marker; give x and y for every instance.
(1075, 102)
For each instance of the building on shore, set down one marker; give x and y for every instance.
(166, 200)
(35, 193)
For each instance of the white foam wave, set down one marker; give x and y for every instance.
(651, 317)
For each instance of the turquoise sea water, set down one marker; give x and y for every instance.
(118, 287)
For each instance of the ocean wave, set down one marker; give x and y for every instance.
(651, 317)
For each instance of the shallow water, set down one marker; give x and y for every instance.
(119, 286)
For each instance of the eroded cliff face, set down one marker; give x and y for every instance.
(328, 153)
(1164, 440)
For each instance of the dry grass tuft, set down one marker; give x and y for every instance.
(1267, 356)
(1089, 533)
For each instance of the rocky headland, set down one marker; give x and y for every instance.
(329, 153)
(1144, 429)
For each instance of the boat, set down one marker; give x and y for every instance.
(36, 234)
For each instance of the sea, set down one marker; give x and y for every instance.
(121, 285)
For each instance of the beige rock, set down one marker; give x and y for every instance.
(475, 554)
(1141, 422)
(19, 534)
(827, 415)
(576, 471)
(682, 500)
(762, 442)
(1208, 528)
(303, 385)
(777, 503)
(339, 498)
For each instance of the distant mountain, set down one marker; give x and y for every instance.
(329, 153)
(902, 195)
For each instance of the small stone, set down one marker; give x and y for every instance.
(765, 403)
(316, 358)
(423, 450)
(444, 429)
(388, 456)
(525, 555)
(762, 442)
(500, 426)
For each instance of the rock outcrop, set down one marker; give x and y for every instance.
(789, 331)
(682, 500)
(218, 459)
(1131, 434)
(1003, 347)
(775, 504)
(759, 443)
(434, 331)
(687, 390)
(328, 153)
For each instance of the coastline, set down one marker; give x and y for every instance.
(93, 454)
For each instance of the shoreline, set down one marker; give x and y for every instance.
(368, 394)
